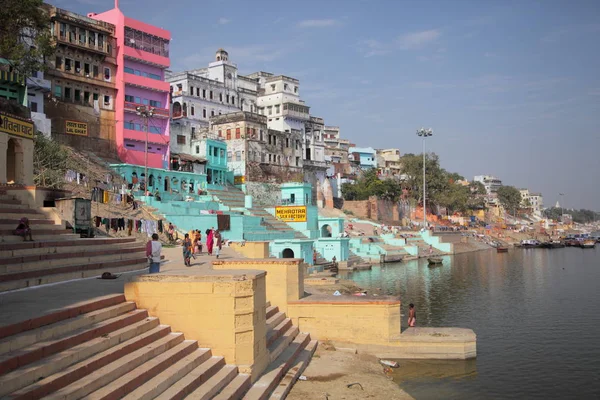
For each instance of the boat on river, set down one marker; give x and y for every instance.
(502, 249)
(530, 244)
(435, 260)
(588, 244)
(553, 244)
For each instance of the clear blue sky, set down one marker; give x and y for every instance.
(511, 88)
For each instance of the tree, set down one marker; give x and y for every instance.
(437, 179)
(368, 185)
(50, 162)
(509, 197)
(25, 39)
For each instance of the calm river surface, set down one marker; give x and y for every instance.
(536, 314)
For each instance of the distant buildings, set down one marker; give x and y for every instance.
(388, 163)
(491, 183)
(532, 201)
(364, 157)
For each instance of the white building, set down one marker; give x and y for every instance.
(534, 201)
(491, 183)
(198, 95)
(37, 89)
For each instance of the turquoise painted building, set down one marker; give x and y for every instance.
(292, 248)
(12, 85)
(215, 153)
(163, 180)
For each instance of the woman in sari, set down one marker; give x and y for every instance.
(23, 229)
(187, 250)
(209, 241)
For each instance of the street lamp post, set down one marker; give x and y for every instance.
(424, 133)
(562, 206)
(146, 113)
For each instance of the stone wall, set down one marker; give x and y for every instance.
(264, 194)
(384, 211)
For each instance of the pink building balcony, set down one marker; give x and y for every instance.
(155, 138)
(158, 112)
(146, 57)
(147, 83)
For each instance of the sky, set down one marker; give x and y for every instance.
(510, 88)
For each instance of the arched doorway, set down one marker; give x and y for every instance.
(326, 231)
(167, 183)
(14, 161)
(288, 253)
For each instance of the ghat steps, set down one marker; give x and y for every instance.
(56, 254)
(106, 348)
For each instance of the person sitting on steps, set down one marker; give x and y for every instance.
(23, 229)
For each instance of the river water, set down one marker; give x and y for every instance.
(536, 314)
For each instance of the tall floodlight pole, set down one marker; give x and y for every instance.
(562, 206)
(424, 133)
(146, 113)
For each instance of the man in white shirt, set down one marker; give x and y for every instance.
(153, 250)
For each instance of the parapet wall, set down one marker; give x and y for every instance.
(222, 310)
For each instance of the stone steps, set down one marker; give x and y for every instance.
(296, 369)
(66, 235)
(42, 247)
(105, 348)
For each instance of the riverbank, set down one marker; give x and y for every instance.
(332, 370)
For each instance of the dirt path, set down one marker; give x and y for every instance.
(330, 372)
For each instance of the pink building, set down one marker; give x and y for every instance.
(142, 57)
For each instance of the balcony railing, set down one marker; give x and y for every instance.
(158, 112)
(102, 49)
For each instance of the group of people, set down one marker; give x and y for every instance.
(192, 244)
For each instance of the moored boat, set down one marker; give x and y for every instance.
(435, 260)
(588, 244)
(530, 244)
(502, 249)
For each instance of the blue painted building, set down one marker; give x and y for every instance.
(367, 156)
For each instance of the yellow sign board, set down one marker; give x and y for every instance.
(76, 128)
(16, 126)
(239, 180)
(291, 213)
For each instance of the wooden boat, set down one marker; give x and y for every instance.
(502, 249)
(435, 260)
(588, 244)
(530, 244)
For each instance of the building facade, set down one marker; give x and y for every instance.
(142, 58)
(38, 89)
(491, 183)
(388, 163)
(81, 104)
(366, 157)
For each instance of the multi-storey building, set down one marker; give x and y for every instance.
(37, 90)
(200, 95)
(532, 201)
(142, 58)
(83, 82)
(364, 156)
(491, 183)
(388, 163)
(255, 152)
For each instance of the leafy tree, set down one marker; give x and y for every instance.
(368, 185)
(25, 39)
(582, 216)
(477, 188)
(437, 179)
(509, 197)
(50, 162)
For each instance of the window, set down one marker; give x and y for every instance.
(137, 72)
(295, 89)
(287, 142)
(261, 135)
(191, 90)
(270, 110)
(204, 113)
(77, 66)
(277, 109)
(77, 95)
(180, 139)
(253, 132)
(227, 98)
(68, 63)
(155, 103)
(248, 132)
(107, 74)
(197, 92)
(86, 97)
(221, 97)
(106, 100)
(33, 106)
(220, 133)
(67, 93)
(212, 113)
(204, 93)
(92, 39)
(192, 110)
(58, 63)
(228, 156)
(228, 134)
(129, 125)
(57, 91)
(233, 100)
(269, 158)
(274, 140)
(272, 87)
(138, 100)
(237, 133)
(86, 69)
(145, 102)
(130, 145)
(146, 42)
(154, 129)
(193, 131)
(211, 94)
(197, 149)
(238, 156)
(95, 96)
(129, 98)
(285, 86)
(269, 139)
(100, 40)
(95, 70)
(128, 70)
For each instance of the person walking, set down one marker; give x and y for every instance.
(218, 242)
(210, 241)
(171, 232)
(412, 315)
(187, 250)
(153, 250)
